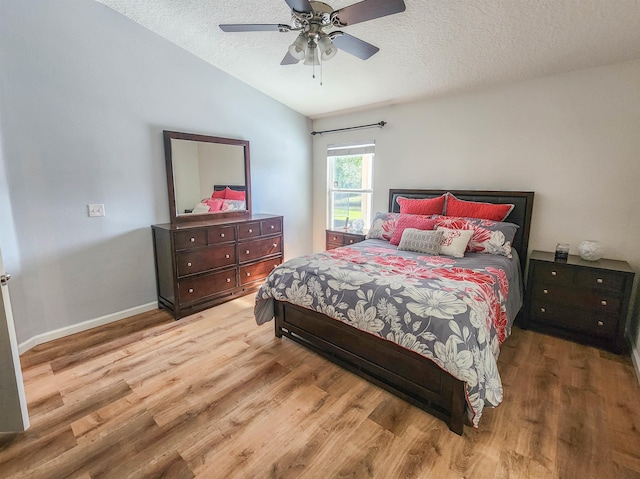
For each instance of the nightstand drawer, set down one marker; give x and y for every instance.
(601, 280)
(602, 302)
(554, 273)
(335, 239)
(575, 320)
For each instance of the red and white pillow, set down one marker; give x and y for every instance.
(419, 222)
(487, 236)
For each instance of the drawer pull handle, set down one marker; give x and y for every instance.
(599, 281)
(553, 273)
(248, 274)
(545, 291)
(603, 302)
(542, 310)
(250, 230)
(192, 239)
(272, 227)
(350, 241)
(191, 290)
(246, 252)
(189, 264)
(228, 280)
(221, 235)
(600, 323)
(227, 256)
(275, 245)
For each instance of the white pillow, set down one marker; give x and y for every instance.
(200, 208)
(454, 242)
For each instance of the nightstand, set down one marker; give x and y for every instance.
(337, 238)
(585, 301)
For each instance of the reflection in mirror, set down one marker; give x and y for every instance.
(207, 176)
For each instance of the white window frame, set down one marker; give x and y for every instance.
(344, 150)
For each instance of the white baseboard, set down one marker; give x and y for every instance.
(83, 326)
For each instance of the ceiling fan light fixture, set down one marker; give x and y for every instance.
(312, 56)
(298, 49)
(327, 49)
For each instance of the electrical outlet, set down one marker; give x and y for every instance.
(96, 210)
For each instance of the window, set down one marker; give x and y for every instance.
(350, 183)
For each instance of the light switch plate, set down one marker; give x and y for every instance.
(96, 210)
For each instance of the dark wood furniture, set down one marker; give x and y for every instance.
(201, 264)
(337, 238)
(407, 374)
(586, 301)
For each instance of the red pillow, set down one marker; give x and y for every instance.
(476, 209)
(214, 204)
(233, 194)
(411, 221)
(426, 206)
(219, 194)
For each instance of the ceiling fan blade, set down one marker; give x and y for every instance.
(299, 5)
(254, 27)
(355, 46)
(289, 60)
(368, 10)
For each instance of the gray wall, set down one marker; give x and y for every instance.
(84, 96)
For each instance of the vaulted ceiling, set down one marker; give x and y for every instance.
(433, 48)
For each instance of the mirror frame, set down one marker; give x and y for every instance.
(174, 216)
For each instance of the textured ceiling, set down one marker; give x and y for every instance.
(434, 48)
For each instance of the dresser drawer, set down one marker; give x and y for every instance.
(222, 234)
(600, 301)
(252, 250)
(588, 322)
(249, 230)
(555, 273)
(190, 239)
(193, 289)
(271, 226)
(257, 271)
(197, 261)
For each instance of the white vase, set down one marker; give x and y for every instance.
(590, 250)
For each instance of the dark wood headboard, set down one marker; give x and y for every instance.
(231, 187)
(520, 215)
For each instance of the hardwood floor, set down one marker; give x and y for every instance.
(216, 396)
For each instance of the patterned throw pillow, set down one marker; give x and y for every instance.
(383, 226)
(491, 237)
(419, 222)
(454, 242)
(421, 241)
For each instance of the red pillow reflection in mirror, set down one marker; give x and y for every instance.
(233, 194)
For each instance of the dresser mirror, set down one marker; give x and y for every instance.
(207, 176)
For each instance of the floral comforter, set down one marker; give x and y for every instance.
(454, 311)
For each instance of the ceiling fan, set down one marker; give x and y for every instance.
(317, 23)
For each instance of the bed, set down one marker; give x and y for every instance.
(426, 328)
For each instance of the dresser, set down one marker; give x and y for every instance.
(585, 301)
(201, 264)
(337, 238)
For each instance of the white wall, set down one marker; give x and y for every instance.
(84, 96)
(574, 139)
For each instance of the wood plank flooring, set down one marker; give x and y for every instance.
(216, 396)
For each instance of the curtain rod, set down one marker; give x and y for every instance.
(372, 125)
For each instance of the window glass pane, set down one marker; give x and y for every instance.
(350, 205)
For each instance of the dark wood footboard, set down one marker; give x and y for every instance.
(400, 371)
